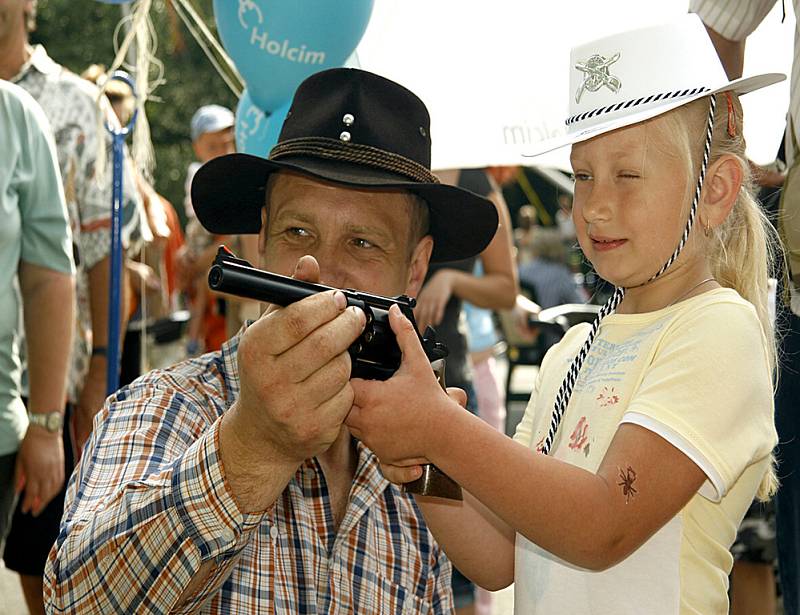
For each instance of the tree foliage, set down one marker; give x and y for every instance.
(78, 33)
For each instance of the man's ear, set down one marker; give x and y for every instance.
(197, 148)
(419, 265)
(721, 189)
(262, 234)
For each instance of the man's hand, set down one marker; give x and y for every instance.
(768, 176)
(40, 468)
(295, 392)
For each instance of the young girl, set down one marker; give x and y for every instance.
(649, 433)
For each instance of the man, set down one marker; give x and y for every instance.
(228, 483)
(212, 136)
(36, 257)
(211, 131)
(70, 104)
(753, 588)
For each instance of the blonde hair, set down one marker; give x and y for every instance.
(743, 247)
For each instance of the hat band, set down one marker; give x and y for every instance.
(634, 102)
(331, 149)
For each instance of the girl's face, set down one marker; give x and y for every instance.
(631, 204)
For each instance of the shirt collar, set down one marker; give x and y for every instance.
(39, 61)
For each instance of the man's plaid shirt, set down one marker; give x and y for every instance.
(148, 504)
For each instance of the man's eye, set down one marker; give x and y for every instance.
(298, 232)
(360, 242)
(581, 177)
(630, 176)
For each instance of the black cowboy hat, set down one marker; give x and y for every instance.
(354, 128)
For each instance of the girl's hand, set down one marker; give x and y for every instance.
(409, 470)
(399, 419)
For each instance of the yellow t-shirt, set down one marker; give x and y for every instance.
(696, 373)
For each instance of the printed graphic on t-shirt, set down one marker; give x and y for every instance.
(607, 397)
(579, 439)
(607, 361)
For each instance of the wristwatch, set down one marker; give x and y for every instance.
(51, 421)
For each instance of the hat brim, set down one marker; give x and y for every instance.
(228, 193)
(739, 86)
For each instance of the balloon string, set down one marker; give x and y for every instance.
(210, 46)
(141, 32)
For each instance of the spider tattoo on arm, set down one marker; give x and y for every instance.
(627, 478)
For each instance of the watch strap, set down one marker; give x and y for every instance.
(50, 421)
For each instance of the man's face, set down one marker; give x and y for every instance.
(213, 144)
(12, 17)
(360, 238)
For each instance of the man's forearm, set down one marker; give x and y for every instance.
(48, 302)
(99, 285)
(185, 518)
(731, 53)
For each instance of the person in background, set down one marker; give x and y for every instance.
(527, 222)
(71, 106)
(447, 286)
(148, 271)
(35, 267)
(482, 340)
(546, 275)
(729, 23)
(212, 136)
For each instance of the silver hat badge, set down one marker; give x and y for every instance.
(597, 75)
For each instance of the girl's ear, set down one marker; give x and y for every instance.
(720, 190)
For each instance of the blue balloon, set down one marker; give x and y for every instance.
(257, 132)
(276, 44)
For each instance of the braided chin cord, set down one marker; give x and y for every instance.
(565, 390)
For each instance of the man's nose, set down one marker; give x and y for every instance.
(333, 267)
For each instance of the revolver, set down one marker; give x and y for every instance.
(375, 355)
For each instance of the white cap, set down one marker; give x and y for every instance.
(211, 118)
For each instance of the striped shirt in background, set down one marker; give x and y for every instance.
(148, 504)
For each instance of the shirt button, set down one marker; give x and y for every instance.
(273, 533)
(227, 536)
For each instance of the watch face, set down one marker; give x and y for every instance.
(54, 420)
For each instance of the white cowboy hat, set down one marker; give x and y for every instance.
(633, 76)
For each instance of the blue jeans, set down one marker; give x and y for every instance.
(787, 502)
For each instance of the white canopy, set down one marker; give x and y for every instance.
(494, 74)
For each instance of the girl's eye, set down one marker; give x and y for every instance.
(630, 176)
(581, 177)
